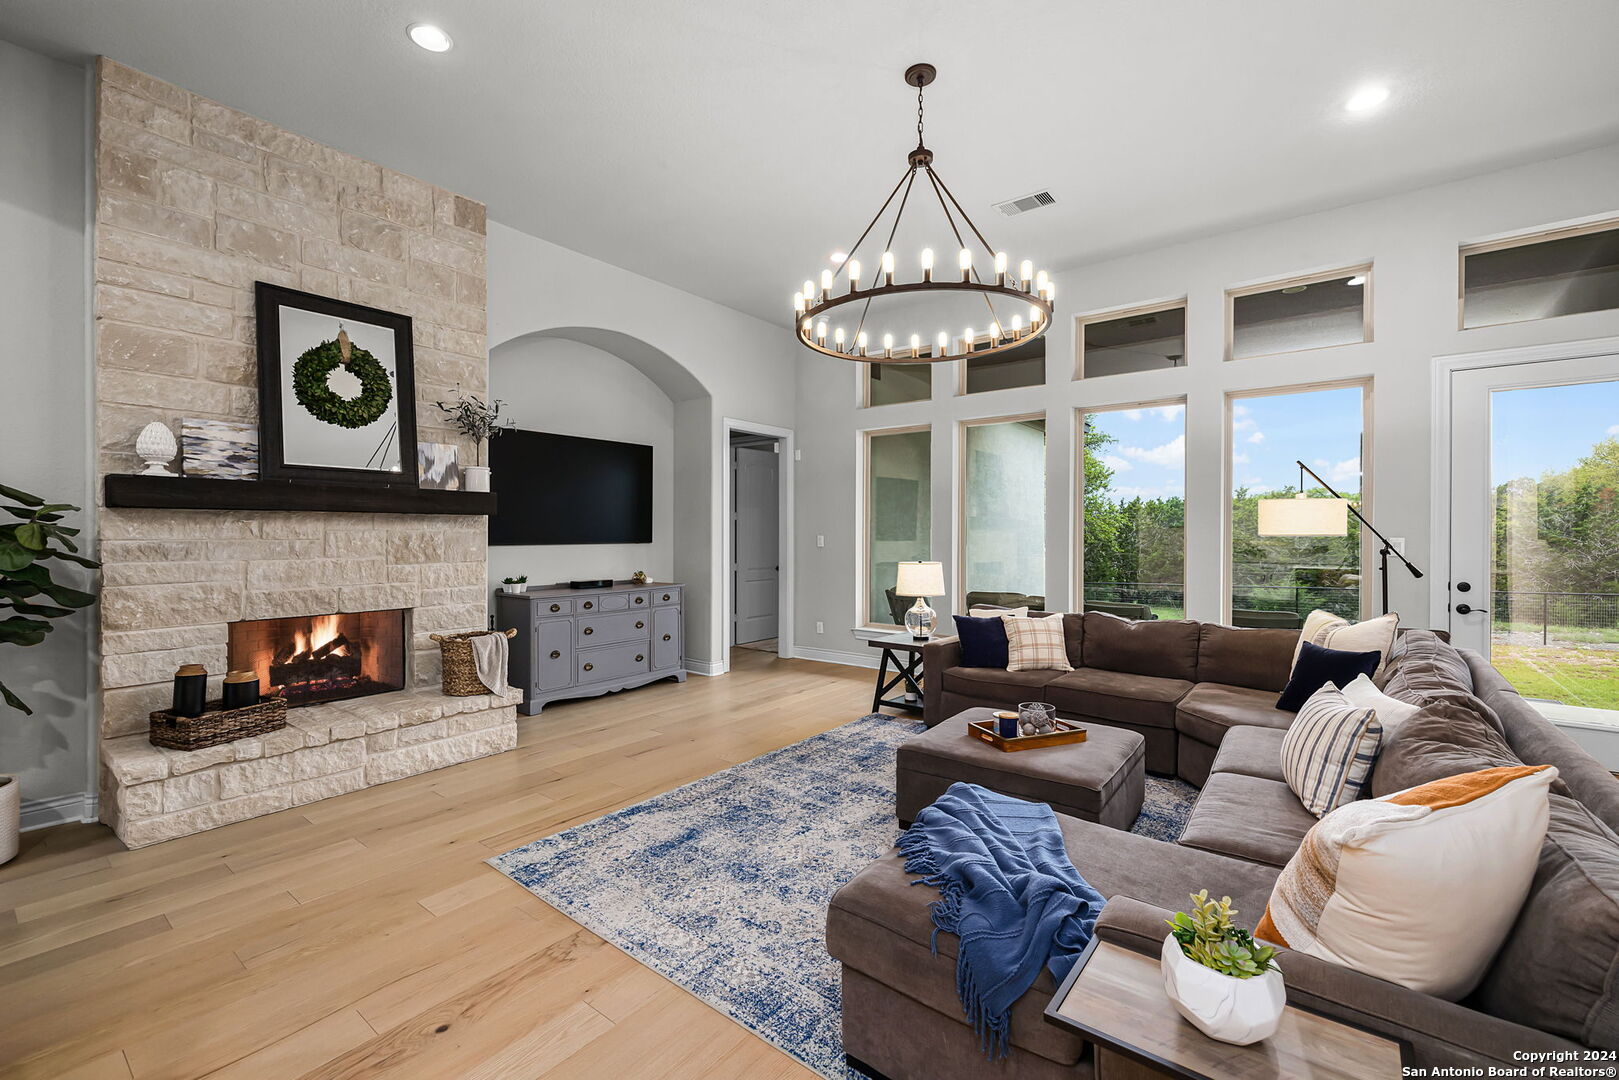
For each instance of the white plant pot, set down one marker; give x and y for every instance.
(519, 587)
(10, 816)
(475, 477)
(1239, 1011)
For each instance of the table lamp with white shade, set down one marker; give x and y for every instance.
(921, 580)
(1304, 516)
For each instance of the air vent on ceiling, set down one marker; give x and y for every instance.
(1014, 207)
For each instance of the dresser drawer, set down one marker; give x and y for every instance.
(640, 601)
(610, 629)
(670, 595)
(547, 609)
(613, 662)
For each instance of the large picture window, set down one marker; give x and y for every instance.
(1004, 503)
(899, 516)
(1133, 524)
(1277, 580)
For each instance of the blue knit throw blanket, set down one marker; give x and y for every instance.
(1008, 891)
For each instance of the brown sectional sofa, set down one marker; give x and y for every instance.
(1553, 986)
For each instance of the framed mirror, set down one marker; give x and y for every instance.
(337, 392)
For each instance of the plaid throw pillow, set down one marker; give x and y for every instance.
(1035, 644)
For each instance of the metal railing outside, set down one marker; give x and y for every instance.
(1522, 616)
(1299, 599)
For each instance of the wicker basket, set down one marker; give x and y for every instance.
(218, 725)
(460, 672)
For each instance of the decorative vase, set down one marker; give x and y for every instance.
(10, 817)
(156, 447)
(475, 477)
(1232, 1010)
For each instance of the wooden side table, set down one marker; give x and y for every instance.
(907, 670)
(1115, 998)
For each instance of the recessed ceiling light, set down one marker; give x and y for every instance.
(430, 37)
(1292, 289)
(1358, 279)
(1367, 98)
(839, 256)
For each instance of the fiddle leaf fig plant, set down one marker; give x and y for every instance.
(1208, 936)
(29, 597)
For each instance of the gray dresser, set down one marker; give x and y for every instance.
(574, 643)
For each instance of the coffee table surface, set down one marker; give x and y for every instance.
(1115, 998)
(1092, 762)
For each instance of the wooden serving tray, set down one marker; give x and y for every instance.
(1067, 732)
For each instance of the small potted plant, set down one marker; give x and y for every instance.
(479, 421)
(516, 584)
(1220, 978)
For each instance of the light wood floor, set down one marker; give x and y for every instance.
(364, 936)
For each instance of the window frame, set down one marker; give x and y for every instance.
(1151, 307)
(1528, 238)
(959, 578)
(863, 524)
(1367, 304)
(1366, 384)
(1077, 600)
(960, 361)
(863, 387)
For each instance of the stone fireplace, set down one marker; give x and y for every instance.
(195, 203)
(308, 659)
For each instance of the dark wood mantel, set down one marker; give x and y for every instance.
(203, 493)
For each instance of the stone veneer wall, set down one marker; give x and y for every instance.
(195, 202)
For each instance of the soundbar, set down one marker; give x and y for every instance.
(594, 583)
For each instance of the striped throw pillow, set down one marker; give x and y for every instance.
(1328, 752)
(1420, 887)
(1035, 644)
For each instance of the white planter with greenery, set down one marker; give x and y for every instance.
(480, 422)
(1223, 981)
(10, 817)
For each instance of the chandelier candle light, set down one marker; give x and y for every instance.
(1028, 292)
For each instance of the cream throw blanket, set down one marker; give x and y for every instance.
(489, 657)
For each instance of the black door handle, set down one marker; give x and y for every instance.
(1468, 609)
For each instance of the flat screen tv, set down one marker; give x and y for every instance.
(563, 489)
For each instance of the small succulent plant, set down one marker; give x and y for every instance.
(520, 579)
(1208, 936)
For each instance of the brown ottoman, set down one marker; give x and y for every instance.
(1102, 779)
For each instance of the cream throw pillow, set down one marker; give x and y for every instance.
(1420, 887)
(1329, 750)
(1331, 631)
(1035, 644)
(996, 612)
(1391, 712)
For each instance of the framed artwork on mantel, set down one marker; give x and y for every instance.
(337, 390)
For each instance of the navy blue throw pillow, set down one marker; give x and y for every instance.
(983, 641)
(1316, 667)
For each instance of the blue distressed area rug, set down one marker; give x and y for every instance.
(722, 885)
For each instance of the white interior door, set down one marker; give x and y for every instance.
(755, 543)
(1535, 530)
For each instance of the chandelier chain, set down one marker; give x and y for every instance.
(919, 116)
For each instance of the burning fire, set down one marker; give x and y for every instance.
(322, 630)
(323, 657)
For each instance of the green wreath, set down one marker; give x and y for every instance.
(309, 383)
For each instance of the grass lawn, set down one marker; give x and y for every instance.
(1588, 677)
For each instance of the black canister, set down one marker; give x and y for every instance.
(241, 689)
(190, 690)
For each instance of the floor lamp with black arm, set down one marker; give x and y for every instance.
(1304, 516)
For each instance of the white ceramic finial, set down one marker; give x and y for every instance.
(156, 447)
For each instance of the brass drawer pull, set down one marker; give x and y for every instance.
(590, 667)
(666, 637)
(640, 599)
(639, 658)
(589, 630)
(556, 654)
(587, 605)
(556, 607)
(639, 625)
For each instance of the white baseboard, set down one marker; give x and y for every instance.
(704, 667)
(869, 659)
(59, 810)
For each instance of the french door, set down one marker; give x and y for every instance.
(1534, 561)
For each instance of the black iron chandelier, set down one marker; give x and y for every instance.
(839, 323)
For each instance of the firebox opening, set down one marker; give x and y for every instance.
(315, 658)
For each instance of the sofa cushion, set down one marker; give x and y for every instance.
(1165, 649)
(1332, 631)
(1073, 635)
(998, 684)
(1559, 968)
(1316, 666)
(983, 641)
(1445, 738)
(1391, 712)
(1329, 751)
(1248, 817)
(1251, 751)
(1211, 709)
(1427, 666)
(1139, 700)
(1261, 659)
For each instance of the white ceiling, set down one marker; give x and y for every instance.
(727, 146)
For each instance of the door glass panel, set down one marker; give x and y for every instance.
(1005, 534)
(1134, 528)
(1554, 459)
(899, 517)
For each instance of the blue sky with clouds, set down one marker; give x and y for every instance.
(1149, 458)
(1548, 428)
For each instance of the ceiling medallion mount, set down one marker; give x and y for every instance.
(1025, 299)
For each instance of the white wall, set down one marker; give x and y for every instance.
(569, 388)
(1412, 240)
(44, 433)
(714, 363)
